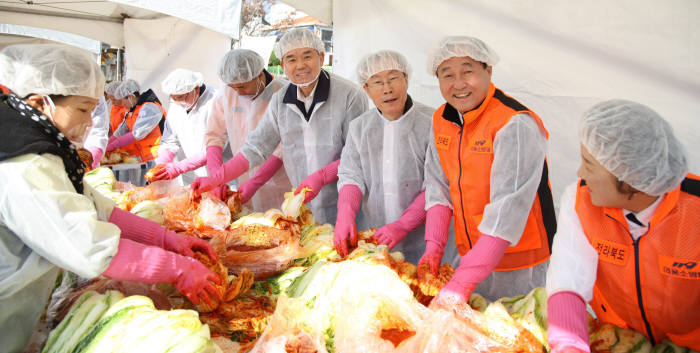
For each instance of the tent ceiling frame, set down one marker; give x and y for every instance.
(60, 14)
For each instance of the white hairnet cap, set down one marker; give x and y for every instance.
(240, 65)
(450, 47)
(50, 69)
(382, 60)
(111, 87)
(129, 86)
(635, 144)
(298, 38)
(181, 81)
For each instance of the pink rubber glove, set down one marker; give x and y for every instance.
(165, 156)
(393, 233)
(97, 154)
(264, 173)
(215, 159)
(317, 180)
(568, 323)
(147, 232)
(121, 141)
(473, 268)
(349, 200)
(172, 170)
(150, 264)
(231, 170)
(437, 227)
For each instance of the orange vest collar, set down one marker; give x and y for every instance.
(474, 114)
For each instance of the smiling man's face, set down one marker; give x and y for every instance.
(464, 82)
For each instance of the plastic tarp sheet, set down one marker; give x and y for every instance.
(29, 32)
(156, 47)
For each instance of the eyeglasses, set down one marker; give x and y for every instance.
(380, 84)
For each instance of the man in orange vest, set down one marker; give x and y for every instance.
(140, 132)
(629, 239)
(493, 176)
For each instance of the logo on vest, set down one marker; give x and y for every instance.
(679, 268)
(611, 252)
(480, 146)
(442, 142)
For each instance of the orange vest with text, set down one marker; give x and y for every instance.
(147, 147)
(651, 285)
(466, 155)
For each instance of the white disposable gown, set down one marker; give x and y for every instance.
(97, 137)
(386, 160)
(235, 117)
(45, 224)
(185, 132)
(308, 146)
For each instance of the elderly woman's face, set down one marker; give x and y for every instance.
(72, 114)
(602, 185)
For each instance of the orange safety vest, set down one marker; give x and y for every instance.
(466, 155)
(116, 116)
(651, 285)
(4, 89)
(147, 147)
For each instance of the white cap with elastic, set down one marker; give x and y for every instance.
(48, 69)
(635, 144)
(383, 60)
(460, 46)
(298, 38)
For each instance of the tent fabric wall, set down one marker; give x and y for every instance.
(156, 47)
(222, 16)
(557, 57)
(103, 30)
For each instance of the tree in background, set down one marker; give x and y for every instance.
(253, 14)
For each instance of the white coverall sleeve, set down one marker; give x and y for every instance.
(437, 189)
(263, 141)
(40, 205)
(573, 265)
(216, 134)
(122, 129)
(148, 119)
(357, 105)
(169, 141)
(350, 168)
(519, 152)
(97, 137)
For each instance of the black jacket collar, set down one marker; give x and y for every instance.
(323, 88)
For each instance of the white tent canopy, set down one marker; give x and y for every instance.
(103, 20)
(158, 35)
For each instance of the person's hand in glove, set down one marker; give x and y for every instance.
(173, 169)
(318, 179)
(264, 173)
(97, 154)
(147, 232)
(150, 264)
(230, 170)
(393, 233)
(349, 200)
(473, 268)
(568, 323)
(437, 226)
(120, 141)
